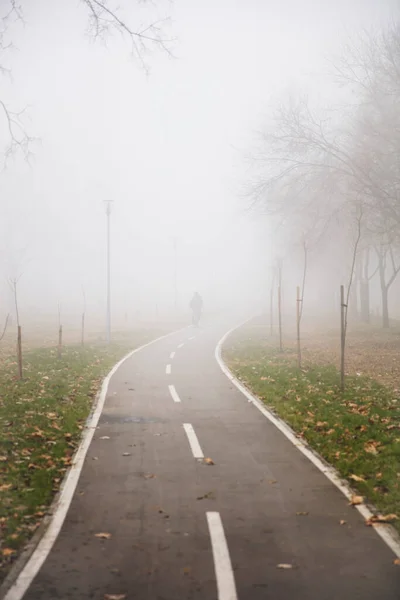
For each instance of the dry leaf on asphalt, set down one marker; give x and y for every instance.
(302, 513)
(208, 496)
(103, 536)
(357, 478)
(271, 481)
(149, 476)
(356, 500)
(105, 437)
(342, 522)
(381, 519)
(396, 561)
(284, 566)
(209, 461)
(127, 454)
(114, 596)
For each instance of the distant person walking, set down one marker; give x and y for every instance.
(196, 304)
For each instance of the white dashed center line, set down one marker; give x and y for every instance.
(192, 338)
(181, 345)
(168, 369)
(193, 441)
(172, 355)
(174, 393)
(222, 562)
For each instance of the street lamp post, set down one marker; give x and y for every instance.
(108, 315)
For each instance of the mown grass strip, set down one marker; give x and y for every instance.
(358, 432)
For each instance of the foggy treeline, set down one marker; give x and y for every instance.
(328, 173)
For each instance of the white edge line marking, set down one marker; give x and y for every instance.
(174, 393)
(193, 441)
(172, 355)
(168, 369)
(39, 555)
(386, 532)
(222, 562)
(181, 345)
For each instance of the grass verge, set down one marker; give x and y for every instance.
(41, 419)
(358, 432)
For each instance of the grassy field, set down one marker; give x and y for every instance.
(358, 432)
(41, 419)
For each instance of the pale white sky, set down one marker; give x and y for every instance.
(169, 149)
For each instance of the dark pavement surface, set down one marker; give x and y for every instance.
(148, 501)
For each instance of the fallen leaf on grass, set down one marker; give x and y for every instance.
(381, 519)
(114, 596)
(209, 461)
(371, 448)
(302, 513)
(356, 500)
(357, 478)
(284, 566)
(5, 486)
(7, 551)
(103, 536)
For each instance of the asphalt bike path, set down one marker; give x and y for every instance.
(179, 526)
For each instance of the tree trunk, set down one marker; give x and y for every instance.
(364, 300)
(384, 293)
(385, 308)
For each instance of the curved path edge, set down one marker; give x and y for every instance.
(388, 534)
(28, 565)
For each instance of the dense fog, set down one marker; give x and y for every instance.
(172, 137)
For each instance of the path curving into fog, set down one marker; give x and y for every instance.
(184, 529)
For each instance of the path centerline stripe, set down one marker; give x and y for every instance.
(222, 563)
(193, 441)
(168, 369)
(174, 393)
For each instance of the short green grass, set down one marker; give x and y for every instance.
(357, 431)
(41, 419)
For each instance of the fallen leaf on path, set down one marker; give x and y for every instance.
(271, 481)
(127, 454)
(356, 500)
(103, 536)
(209, 461)
(105, 437)
(150, 476)
(357, 478)
(381, 519)
(284, 566)
(396, 561)
(114, 596)
(302, 513)
(187, 570)
(342, 522)
(209, 495)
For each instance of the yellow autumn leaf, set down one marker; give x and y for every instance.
(103, 536)
(356, 500)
